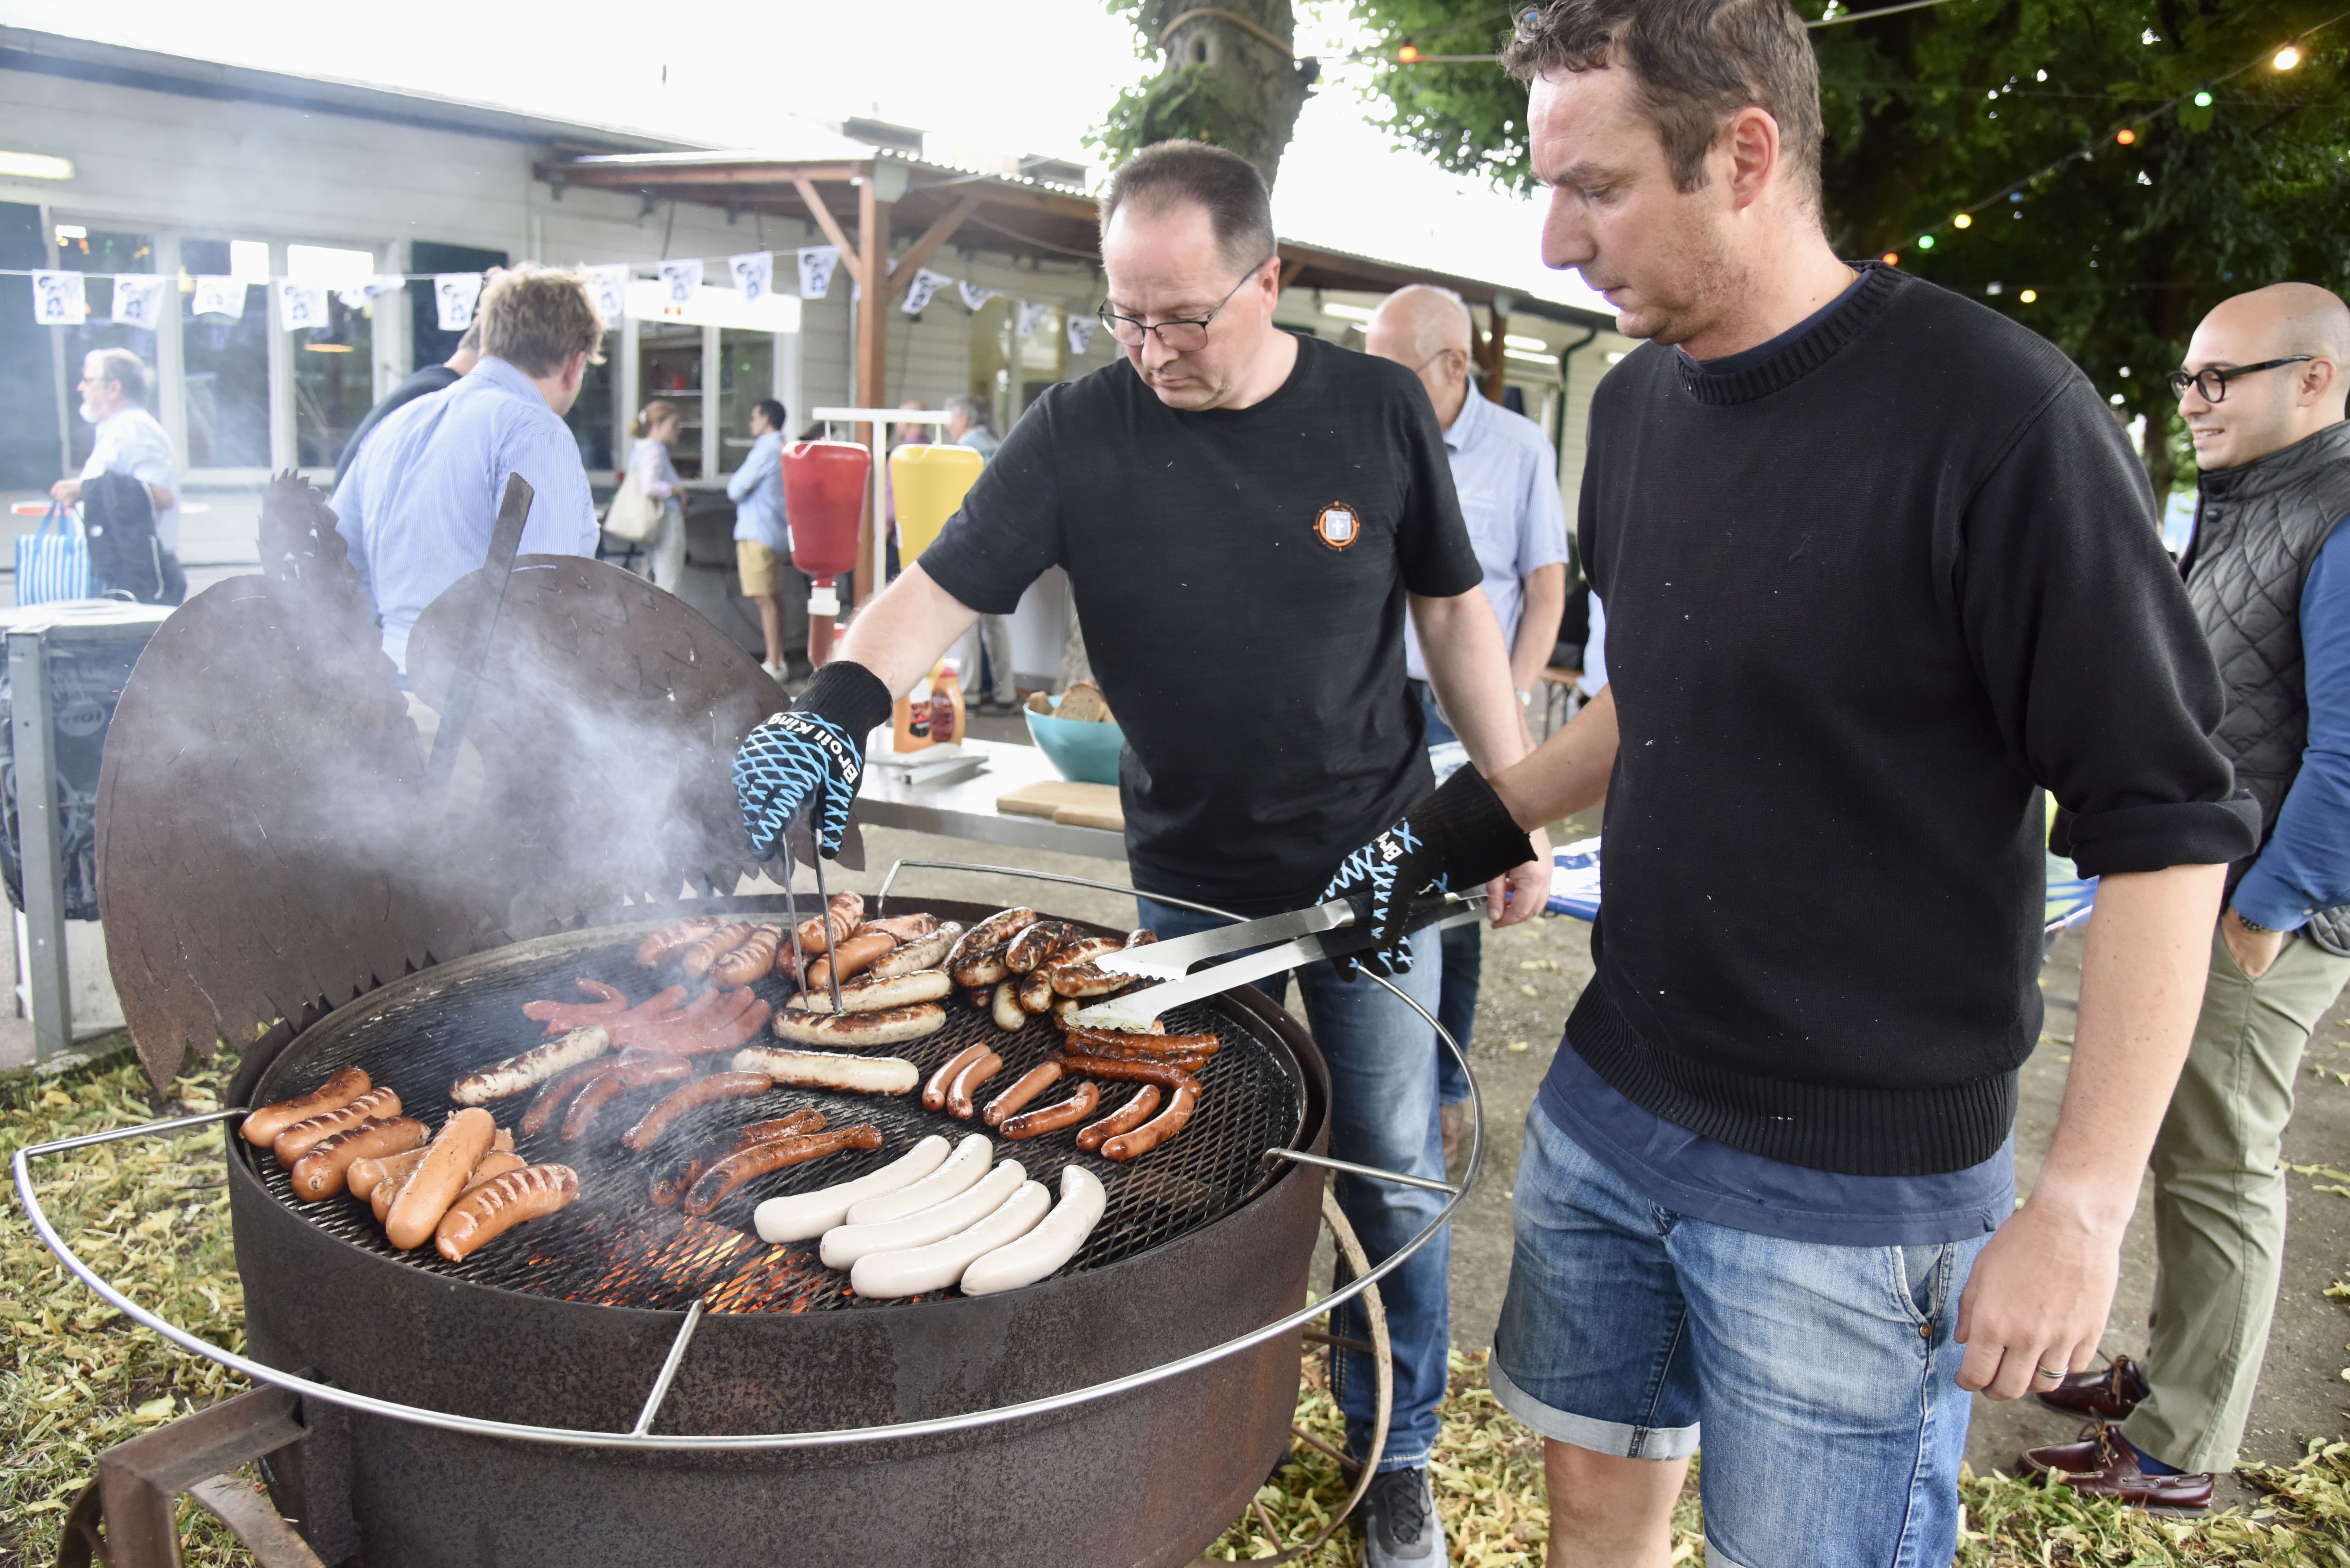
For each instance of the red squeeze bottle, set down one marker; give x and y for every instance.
(824, 500)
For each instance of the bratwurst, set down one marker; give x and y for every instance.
(262, 1127)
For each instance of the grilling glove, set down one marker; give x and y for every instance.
(813, 752)
(1461, 836)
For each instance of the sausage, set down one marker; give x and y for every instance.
(731, 1023)
(495, 1163)
(1054, 1241)
(982, 997)
(1032, 1083)
(844, 1244)
(674, 939)
(670, 1183)
(871, 994)
(1137, 1045)
(934, 1092)
(464, 1137)
(967, 1082)
(909, 927)
(497, 1207)
(1033, 993)
(854, 955)
(914, 1271)
(366, 1171)
(1141, 938)
(607, 1002)
(550, 1099)
(720, 1181)
(856, 1031)
(698, 958)
(262, 1127)
(998, 929)
(1083, 977)
(825, 1070)
(1062, 1114)
(798, 1216)
(918, 952)
(298, 1139)
(1158, 1129)
(843, 913)
(956, 1174)
(324, 1170)
(1004, 1006)
(1038, 942)
(1164, 1074)
(533, 1067)
(624, 1075)
(754, 958)
(705, 1091)
(1124, 1119)
(978, 966)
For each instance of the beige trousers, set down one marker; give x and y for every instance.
(2220, 1202)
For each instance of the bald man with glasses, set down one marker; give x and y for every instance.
(2263, 392)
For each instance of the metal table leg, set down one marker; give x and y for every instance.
(42, 846)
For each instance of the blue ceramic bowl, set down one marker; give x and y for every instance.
(1083, 752)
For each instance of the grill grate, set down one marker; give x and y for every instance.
(615, 1247)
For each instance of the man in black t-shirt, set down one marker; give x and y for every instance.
(1243, 516)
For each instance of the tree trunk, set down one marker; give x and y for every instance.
(1229, 78)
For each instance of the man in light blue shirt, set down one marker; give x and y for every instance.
(762, 542)
(127, 440)
(1507, 477)
(420, 504)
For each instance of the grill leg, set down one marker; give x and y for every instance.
(137, 1481)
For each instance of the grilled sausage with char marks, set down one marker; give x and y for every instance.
(324, 1171)
(1062, 1114)
(674, 939)
(754, 958)
(298, 1139)
(844, 912)
(262, 1127)
(533, 1067)
(1032, 1083)
(654, 1124)
(719, 1182)
(497, 1207)
(447, 1164)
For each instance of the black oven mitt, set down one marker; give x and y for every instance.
(815, 751)
(1460, 836)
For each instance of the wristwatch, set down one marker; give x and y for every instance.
(1525, 698)
(2252, 925)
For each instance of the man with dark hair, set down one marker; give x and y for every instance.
(1253, 511)
(2269, 575)
(1859, 617)
(423, 383)
(420, 504)
(762, 542)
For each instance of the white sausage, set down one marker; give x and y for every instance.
(871, 994)
(961, 1171)
(1050, 1245)
(824, 1070)
(922, 952)
(844, 1244)
(880, 1275)
(800, 1215)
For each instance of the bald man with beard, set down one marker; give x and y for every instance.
(2269, 574)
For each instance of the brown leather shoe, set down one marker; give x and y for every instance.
(1455, 1121)
(2106, 1396)
(2103, 1465)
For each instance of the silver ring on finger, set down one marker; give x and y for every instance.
(2050, 1372)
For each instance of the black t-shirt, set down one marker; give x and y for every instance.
(1240, 576)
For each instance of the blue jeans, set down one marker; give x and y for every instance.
(1816, 1372)
(1383, 1114)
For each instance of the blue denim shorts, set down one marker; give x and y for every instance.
(1823, 1376)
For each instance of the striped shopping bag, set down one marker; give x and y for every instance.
(53, 561)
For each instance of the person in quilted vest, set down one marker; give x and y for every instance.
(2269, 576)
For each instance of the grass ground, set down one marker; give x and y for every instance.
(77, 1377)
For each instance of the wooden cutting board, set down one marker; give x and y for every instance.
(1078, 804)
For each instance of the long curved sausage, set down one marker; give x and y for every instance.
(961, 1170)
(1031, 1084)
(919, 953)
(262, 1127)
(854, 955)
(298, 1139)
(726, 1025)
(827, 1070)
(1158, 1129)
(916, 927)
(1124, 1119)
(504, 1080)
(447, 1165)
(934, 1092)
(624, 1075)
(754, 958)
(1054, 1241)
(858, 1031)
(844, 1244)
(1038, 942)
(720, 1180)
(1086, 1038)
(708, 1090)
(323, 1172)
(674, 939)
(550, 1099)
(1164, 1075)
(912, 1271)
(967, 1082)
(1061, 1114)
(841, 916)
(670, 1183)
(797, 1216)
(499, 1205)
(869, 993)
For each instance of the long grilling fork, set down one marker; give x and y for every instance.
(822, 911)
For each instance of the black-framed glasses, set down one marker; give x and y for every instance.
(1182, 335)
(2213, 383)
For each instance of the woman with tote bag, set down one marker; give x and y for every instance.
(649, 506)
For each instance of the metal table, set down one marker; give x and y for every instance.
(966, 807)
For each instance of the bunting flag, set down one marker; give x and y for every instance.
(754, 273)
(1081, 332)
(609, 287)
(680, 279)
(456, 293)
(925, 285)
(1025, 326)
(58, 299)
(301, 305)
(218, 295)
(816, 263)
(361, 295)
(973, 296)
(139, 300)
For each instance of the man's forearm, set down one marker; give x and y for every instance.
(1538, 625)
(1461, 642)
(1569, 771)
(902, 634)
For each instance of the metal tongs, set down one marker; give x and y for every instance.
(824, 906)
(1300, 936)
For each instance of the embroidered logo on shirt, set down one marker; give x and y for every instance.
(1337, 525)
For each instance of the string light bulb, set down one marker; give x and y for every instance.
(2028, 296)
(2124, 136)
(1891, 258)
(1925, 241)
(1963, 221)
(2202, 100)
(2286, 58)
(1408, 54)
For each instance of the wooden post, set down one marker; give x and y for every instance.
(872, 369)
(1495, 368)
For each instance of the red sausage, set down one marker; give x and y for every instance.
(1032, 1082)
(855, 956)
(706, 1091)
(1066, 1113)
(934, 1092)
(967, 1082)
(1124, 1119)
(621, 1078)
(1156, 1130)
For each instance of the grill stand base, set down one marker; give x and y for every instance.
(137, 1481)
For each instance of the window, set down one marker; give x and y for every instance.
(747, 374)
(106, 252)
(227, 359)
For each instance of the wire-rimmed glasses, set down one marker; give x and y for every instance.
(1180, 335)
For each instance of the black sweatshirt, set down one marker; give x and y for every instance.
(1865, 601)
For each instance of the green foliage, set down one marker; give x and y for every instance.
(1930, 113)
(1192, 101)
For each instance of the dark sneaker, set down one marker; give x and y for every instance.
(1400, 1529)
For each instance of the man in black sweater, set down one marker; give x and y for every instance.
(1879, 569)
